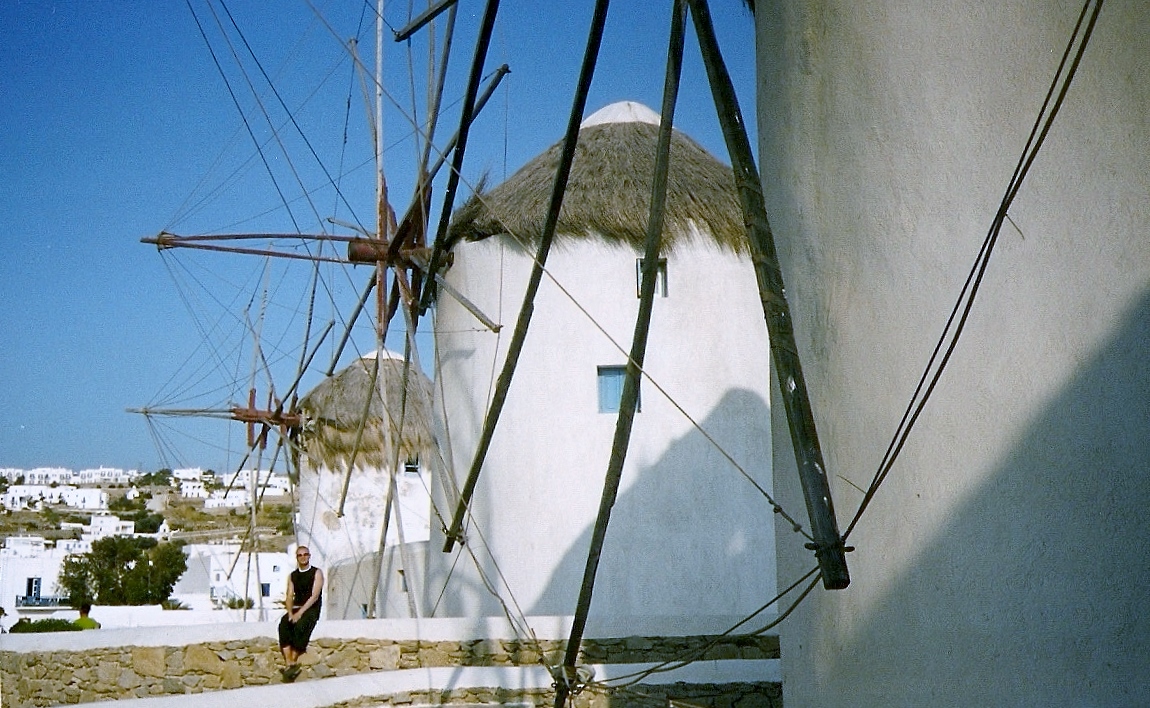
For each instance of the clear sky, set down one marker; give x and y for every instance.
(116, 124)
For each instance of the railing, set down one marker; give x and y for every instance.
(41, 601)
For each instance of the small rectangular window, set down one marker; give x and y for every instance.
(660, 278)
(611, 389)
(265, 589)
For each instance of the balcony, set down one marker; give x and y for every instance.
(44, 601)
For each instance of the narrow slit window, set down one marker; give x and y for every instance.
(660, 278)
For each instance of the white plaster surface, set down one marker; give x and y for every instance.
(688, 532)
(1003, 561)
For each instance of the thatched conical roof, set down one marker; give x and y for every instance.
(332, 412)
(609, 191)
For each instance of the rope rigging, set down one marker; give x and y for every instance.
(957, 319)
(520, 619)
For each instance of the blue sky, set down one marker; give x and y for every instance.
(117, 124)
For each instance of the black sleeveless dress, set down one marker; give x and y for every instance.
(298, 634)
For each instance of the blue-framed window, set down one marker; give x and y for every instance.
(611, 389)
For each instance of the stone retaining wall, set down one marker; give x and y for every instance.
(49, 678)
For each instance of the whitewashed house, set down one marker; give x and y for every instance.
(267, 482)
(104, 525)
(105, 475)
(219, 574)
(29, 571)
(48, 475)
(84, 498)
(193, 489)
(228, 499)
(25, 496)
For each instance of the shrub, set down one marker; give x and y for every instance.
(44, 625)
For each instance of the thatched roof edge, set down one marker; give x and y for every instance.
(609, 192)
(332, 412)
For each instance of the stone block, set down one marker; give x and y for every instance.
(385, 658)
(199, 658)
(149, 661)
(128, 680)
(434, 657)
(107, 672)
(309, 659)
(321, 671)
(638, 644)
(230, 676)
(344, 659)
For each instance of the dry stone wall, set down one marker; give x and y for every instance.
(49, 678)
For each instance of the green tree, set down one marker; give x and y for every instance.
(123, 571)
(147, 523)
(125, 504)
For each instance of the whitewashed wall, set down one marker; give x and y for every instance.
(1004, 561)
(347, 546)
(688, 534)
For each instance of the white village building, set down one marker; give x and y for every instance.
(28, 496)
(224, 575)
(29, 570)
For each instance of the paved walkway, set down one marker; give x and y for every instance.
(320, 693)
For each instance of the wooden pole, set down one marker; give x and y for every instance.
(503, 383)
(630, 396)
(828, 544)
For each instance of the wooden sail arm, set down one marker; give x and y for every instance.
(828, 544)
(273, 417)
(466, 116)
(422, 19)
(360, 249)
